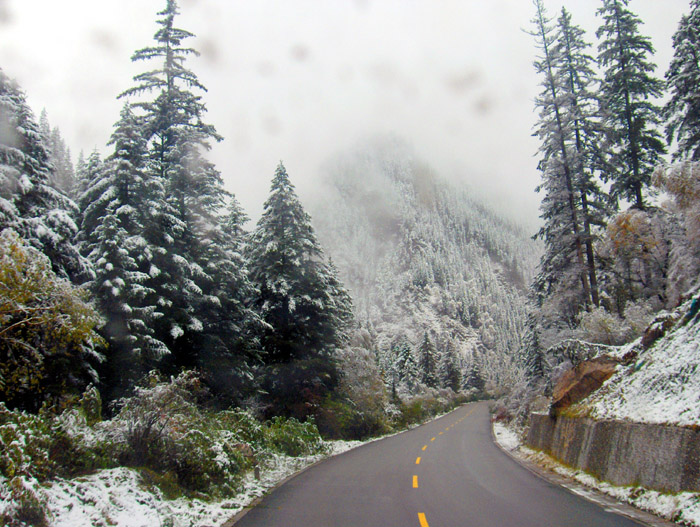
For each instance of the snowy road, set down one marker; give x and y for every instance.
(446, 473)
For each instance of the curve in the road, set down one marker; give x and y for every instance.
(446, 473)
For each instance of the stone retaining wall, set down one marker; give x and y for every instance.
(664, 458)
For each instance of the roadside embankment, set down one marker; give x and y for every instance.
(660, 457)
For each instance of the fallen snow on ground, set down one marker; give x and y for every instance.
(663, 386)
(120, 497)
(683, 507)
(506, 437)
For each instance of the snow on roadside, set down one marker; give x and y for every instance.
(506, 438)
(119, 497)
(683, 507)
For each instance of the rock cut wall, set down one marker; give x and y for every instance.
(658, 457)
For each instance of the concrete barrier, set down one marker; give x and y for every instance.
(659, 457)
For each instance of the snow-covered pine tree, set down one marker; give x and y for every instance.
(563, 271)
(474, 379)
(682, 112)
(627, 94)
(405, 363)
(187, 229)
(301, 300)
(43, 216)
(231, 338)
(62, 172)
(449, 371)
(90, 188)
(117, 206)
(428, 362)
(582, 107)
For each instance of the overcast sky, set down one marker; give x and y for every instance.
(301, 80)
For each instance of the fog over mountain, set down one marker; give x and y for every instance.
(421, 256)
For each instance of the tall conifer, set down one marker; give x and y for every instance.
(682, 112)
(628, 93)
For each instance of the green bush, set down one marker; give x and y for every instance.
(244, 426)
(294, 438)
(337, 419)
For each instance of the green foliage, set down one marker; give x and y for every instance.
(340, 419)
(47, 328)
(26, 440)
(423, 407)
(294, 438)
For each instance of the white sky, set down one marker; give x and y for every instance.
(300, 80)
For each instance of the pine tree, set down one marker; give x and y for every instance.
(581, 104)
(427, 362)
(301, 300)
(449, 372)
(306, 315)
(405, 363)
(474, 379)
(42, 216)
(116, 206)
(62, 171)
(627, 94)
(563, 263)
(682, 112)
(187, 225)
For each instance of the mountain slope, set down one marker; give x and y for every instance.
(419, 255)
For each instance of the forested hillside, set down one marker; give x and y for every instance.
(428, 268)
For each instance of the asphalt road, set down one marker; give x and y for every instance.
(447, 473)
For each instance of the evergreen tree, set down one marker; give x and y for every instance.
(561, 116)
(627, 94)
(62, 171)
(427, 362)
(43, 216)
(116, 204)
(581, 105)
(449, 372)
(682, 112)
(301, 300)
(474, 379)
(186, 230)
(405, 363)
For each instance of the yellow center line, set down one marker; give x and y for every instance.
(440, 433)
(418, 461)
(424, 447)
(422, 520)
(447, 429)
(415, 482)
(432, 439)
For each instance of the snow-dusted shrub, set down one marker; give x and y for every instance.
(244, 426)
(161, 427)
(294, 438)
(25, 441)
(602, 327)
(22, 504)
(48, 340)
(356, 409)
(342, 419)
